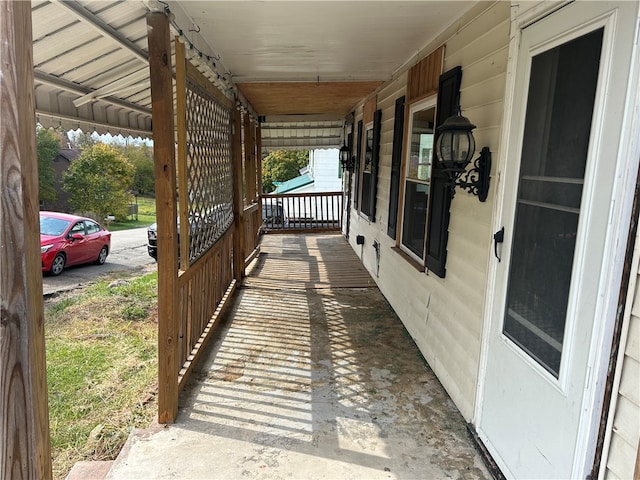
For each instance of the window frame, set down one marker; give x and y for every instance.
(370, 131)
(73, 229)
(414, 107)
(365, 193)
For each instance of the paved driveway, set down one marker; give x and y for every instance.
(128, 255)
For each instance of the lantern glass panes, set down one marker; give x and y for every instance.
(455, 145)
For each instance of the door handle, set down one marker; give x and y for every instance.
(498, 237)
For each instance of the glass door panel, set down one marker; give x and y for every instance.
(554, 154)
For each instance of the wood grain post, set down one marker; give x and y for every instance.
(259, 160)
(183, 171)
(238, 202)
(255, 232)
(636, 473)
(250, 158)
(166, 213)
(24, 444)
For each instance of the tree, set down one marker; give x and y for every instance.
(83, 140)
(47, 148)
(98, 181)
(141, 157)
(282, 165)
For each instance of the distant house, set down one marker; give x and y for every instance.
(60, 166)
(323, 174)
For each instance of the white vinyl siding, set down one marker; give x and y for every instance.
(624, 432)
(444, 316)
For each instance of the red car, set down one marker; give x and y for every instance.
(67, 240)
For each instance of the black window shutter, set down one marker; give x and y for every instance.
(373, 191)
(440, 191)
(356, 171)
(396, 161)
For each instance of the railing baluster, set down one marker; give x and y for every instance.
(315, 211)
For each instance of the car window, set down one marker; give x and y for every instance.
(77, 228)
(92, 227)
(53, 226)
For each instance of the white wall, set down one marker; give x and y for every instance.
(444, 316)
(323, 165)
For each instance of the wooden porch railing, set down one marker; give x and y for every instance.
(203, 292)
(302, 212)
(252, 224)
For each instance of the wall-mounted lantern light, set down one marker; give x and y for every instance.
(347, 161)
(454, 149)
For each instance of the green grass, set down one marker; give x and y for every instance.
(101, 369)
(146, 216)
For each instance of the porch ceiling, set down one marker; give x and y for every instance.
(310, 58)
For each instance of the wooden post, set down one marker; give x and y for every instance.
(250, 158)
(166, 212)
(259, 160)
(636, 474)
(24, 414)
(181, 121)
(238, 203)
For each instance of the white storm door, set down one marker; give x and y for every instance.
(558, 192)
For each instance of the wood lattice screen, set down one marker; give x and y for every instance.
(205, 177)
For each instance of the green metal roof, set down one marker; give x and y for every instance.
(294, 183)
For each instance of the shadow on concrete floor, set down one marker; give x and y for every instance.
(309, 383)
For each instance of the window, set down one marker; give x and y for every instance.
(439, 189)
(417, 177)
(92, 227)
(423, 220)
(77, 228)
(548, 208)
(369, 166)
(367, 170)
(356, 180)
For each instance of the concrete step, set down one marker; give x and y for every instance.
(90, 470)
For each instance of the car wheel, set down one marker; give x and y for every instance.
(58, 264)
(102, 256)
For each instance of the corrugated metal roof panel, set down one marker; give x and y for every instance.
(82, 47)
(294, 183)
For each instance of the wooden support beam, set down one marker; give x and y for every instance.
(166, 213)
(250, 158)
(24, 414)
(238, 202)
(259, 161)
(636, 474)
(183, 171)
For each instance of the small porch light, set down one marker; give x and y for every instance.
(346, 159)
(455, 148)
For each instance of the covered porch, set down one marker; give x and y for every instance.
(311, 375)
(218, 83)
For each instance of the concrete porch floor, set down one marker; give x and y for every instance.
(304, 380)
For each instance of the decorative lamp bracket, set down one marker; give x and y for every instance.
(475, 180)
